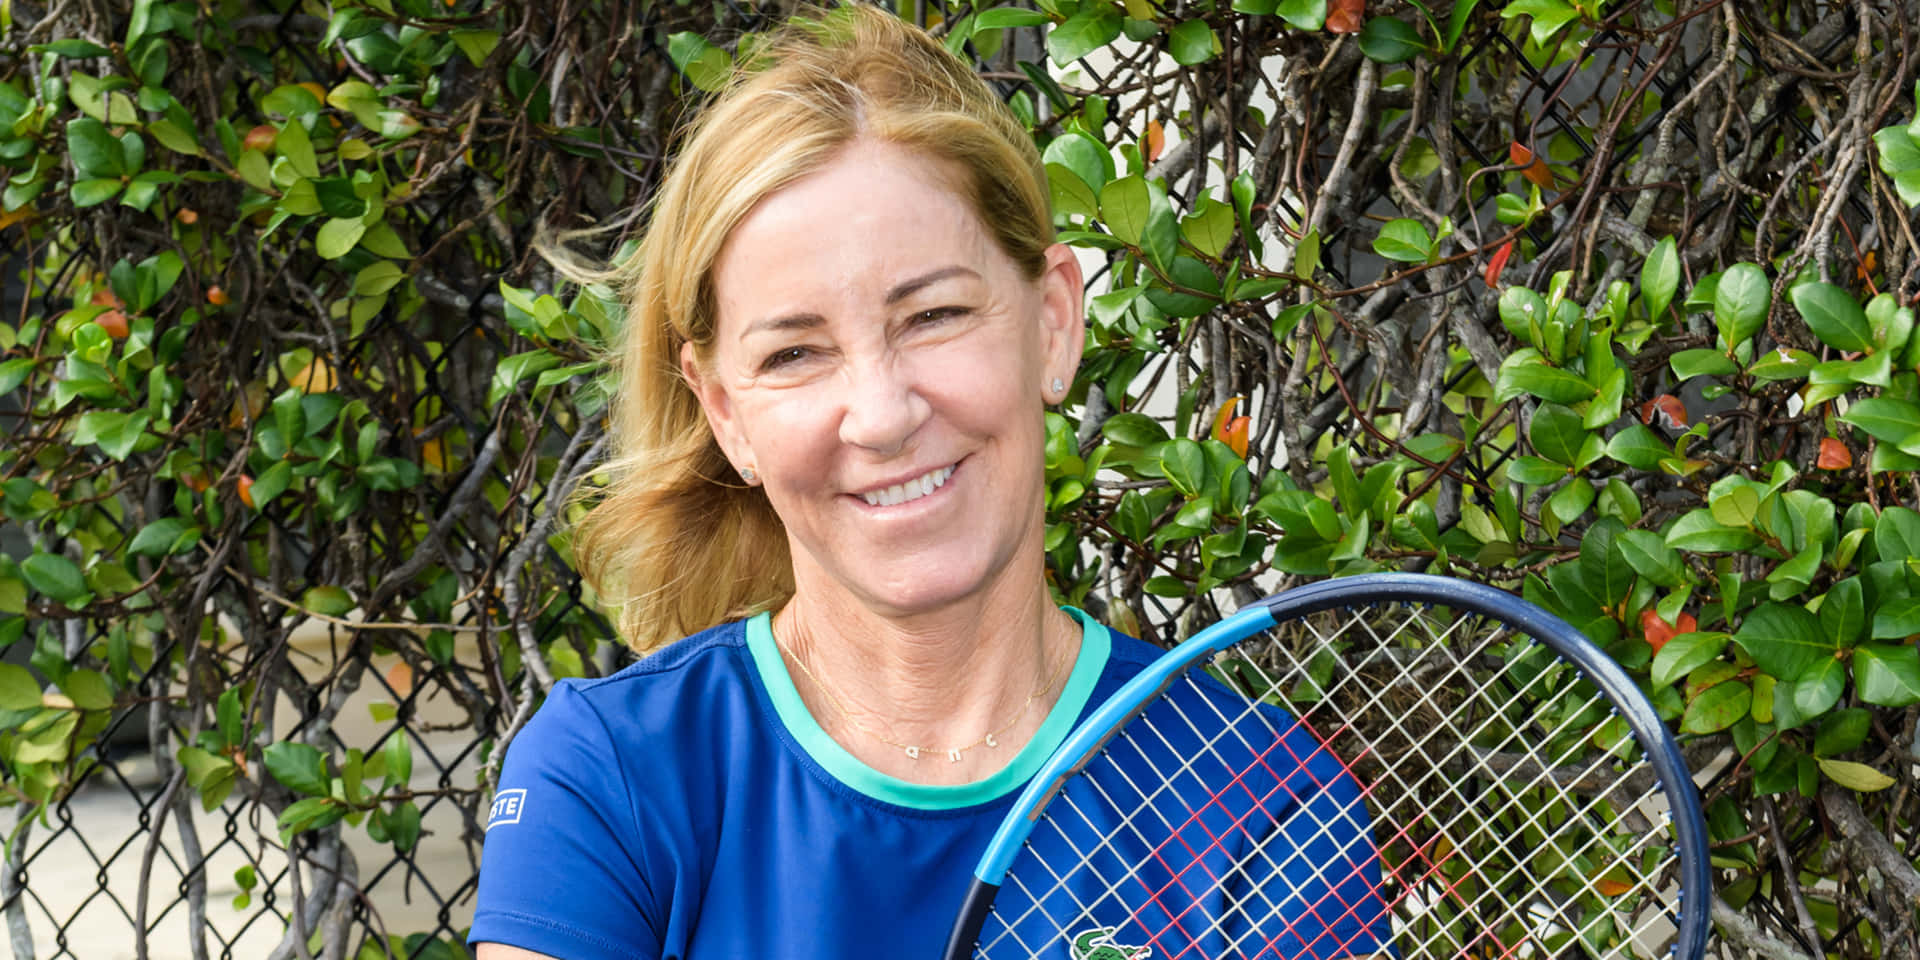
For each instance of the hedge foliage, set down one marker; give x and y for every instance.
(1607, 303)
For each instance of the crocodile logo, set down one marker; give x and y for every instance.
(1097, 944)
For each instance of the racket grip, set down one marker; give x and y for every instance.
(973, 914)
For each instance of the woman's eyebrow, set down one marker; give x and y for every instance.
(783, 322)
(908, 288)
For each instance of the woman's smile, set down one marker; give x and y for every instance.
(909, 491)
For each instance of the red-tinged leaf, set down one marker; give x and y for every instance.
(400, 678)
(1222, 417)
(1239, 430)
(1834, 455)
(1657, 630)
(1867, 264)
(1532, 167)
(1154, 142)
(1498, 263)
(1667, 410)
(1346, 16)
(1687, 624)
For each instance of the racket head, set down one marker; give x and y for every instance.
(1438, 769)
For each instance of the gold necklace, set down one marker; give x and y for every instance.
(913, 751)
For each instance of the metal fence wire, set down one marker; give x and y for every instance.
(472, 597)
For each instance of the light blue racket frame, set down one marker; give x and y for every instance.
(1086, 740)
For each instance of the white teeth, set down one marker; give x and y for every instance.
(911, 490)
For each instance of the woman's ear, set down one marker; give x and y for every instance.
(1063, 314)
(717, 405)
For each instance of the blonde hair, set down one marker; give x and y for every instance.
(676, 544)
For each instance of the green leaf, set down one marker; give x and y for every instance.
(1603, 567)
(1782, 363)
(271, 483)
(311, 813)
(1083, 33)
(328, 601)
(1855, 776)
(1886, 674)
(1688, 364)
(297, 765)
(291, 101)
(1308, 15)
(166, 536)
(92, 193)
(1528, 373)
(18, 689)
(1717, 708)
(1639, 447)
(337, 237)
(1125, 205)
(95, 151)
(87, 689)
(1549, 17)
(399, 757)
(1885, 418)
(1210, 228)
(476, 44)
(1535, 471)
(1390, 40)
(1897, 619)
(377, 278)
(1841, 731)
(1651, 557)
(706, 65)
(1133, 430)
(293, 144)
(1684, 653)
(1557, 433)
(1741, 302)
(1083, 156)
(403, 826)
(1843, 614)
(56, 577)
(1192, 42)
(1404, 240)
(1900, 161)
(1785, 640)
(1184, 463)
(1660, 277)
(999, 18)
(1833, 315)
(1896, 535)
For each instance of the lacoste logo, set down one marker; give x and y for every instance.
(1097, 944)
(507, 805)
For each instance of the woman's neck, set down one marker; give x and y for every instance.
(887, 687)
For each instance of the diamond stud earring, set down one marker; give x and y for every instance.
(747, 474)
(1059, 385)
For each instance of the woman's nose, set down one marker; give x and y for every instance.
(884, 408)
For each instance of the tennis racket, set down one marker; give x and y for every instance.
(1389, 764)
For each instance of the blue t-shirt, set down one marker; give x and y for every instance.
(690, 807)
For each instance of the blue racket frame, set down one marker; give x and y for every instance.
(1086, 740)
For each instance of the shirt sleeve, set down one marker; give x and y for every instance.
(564, 867)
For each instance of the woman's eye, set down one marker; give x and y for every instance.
(785, 357)
(936, 315)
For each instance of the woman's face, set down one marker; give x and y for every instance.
(882, 366)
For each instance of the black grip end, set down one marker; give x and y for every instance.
(973, 913)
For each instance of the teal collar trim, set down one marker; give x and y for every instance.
(1095, 644)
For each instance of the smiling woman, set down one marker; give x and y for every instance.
(845, 324)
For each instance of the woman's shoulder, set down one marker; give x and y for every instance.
(646, 698)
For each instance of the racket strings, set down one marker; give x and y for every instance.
(1473, 772)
